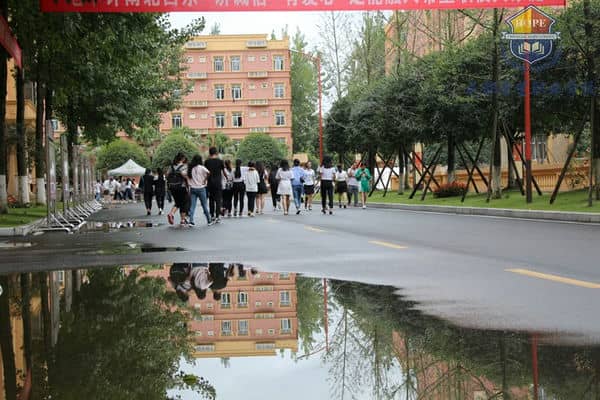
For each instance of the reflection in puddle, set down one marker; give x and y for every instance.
(118, 225)
(14, 245)
(191, 330)
(129, 248)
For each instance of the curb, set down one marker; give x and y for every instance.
(21, 230)
(580, 217)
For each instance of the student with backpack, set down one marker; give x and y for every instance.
(178, 187)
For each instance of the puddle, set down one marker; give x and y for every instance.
(117, 225)
(129, 248)
(14, 245)
(198, 330)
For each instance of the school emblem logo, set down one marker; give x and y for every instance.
(531, 37)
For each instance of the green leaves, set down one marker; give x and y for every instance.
(168, 149)
(261, 147)
(116, 153)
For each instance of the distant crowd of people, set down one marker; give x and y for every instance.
(226, 190)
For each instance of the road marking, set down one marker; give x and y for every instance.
(387, 244)
(313, 229)
(555, 278)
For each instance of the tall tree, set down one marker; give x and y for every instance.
(304, 96)
(3, 150)
(335, 30)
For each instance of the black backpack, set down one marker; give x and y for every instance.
(175, 179)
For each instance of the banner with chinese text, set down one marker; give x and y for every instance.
(160, 6)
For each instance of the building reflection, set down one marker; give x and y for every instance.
(255, 316)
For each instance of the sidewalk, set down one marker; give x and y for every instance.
(563, 216)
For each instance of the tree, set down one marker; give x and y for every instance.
(168, 149)
(116, 153)
(146, 136)
(336, 31)
(221, 141)
(310, 310)
(261, 147)
(337, 128)
(123, 313)
(3, 76)
(304, 97)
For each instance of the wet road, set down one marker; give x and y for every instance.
(475, 271)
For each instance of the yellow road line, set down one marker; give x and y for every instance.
(555, 278)
(313, 229)
(387, 244)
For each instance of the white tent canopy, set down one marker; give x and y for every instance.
(130, 168)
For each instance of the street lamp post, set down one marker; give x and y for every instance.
(317, 61)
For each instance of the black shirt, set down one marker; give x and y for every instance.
(215, 166)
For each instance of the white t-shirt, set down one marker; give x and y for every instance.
(351, 178)
(201, 278)
(98, 187)
(199, 177)
(251, 180)
(309, 177)
(243, 171)
(341, 176)
(327, 174)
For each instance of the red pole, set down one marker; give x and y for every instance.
(534, 364)
(528, 133)
(320, 110)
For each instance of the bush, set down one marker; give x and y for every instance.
(450, 190)
(168, 149)
(261, 147)
(116, 153)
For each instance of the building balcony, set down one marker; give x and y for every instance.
(196, 103)
(260, 129)
(197, 75)
(258, 102)
(256, 44)
(195, 45)
(258, 74)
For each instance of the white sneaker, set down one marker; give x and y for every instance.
(364, 206)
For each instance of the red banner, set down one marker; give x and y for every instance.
(9, 42)
(162, 6)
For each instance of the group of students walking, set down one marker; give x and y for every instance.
(224, 190)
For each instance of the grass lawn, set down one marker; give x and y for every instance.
(567, 201)
(21, 216)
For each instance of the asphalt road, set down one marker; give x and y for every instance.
(476, 271)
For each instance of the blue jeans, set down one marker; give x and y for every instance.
(298, 190)
(195, 194)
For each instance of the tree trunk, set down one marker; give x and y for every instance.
(40, 157)
(496, 164)
(26, 314)
(6, 343)
(3, 153)
(451, 159)
(401, 166)
(21, 146)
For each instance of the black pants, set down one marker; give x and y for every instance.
(160, 200)
(215, 199)
(326, 192)
(239, 189)
(227, 199)
(274, 196)
(251, 200)
(148, 200)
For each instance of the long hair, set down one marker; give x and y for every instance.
(238, 168)
(178, 158)
(260, 167)
(228, 165)
(196, 160)
(327, 162)
(285, 165)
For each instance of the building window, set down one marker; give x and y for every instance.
(263, 58)
(279, 118)
(281, 140)
(539, 145)
(278, 63)
(203, 116)
(176, 121)
(218, 64)
(252, 114)
(235, 63)
(225, 300)
(284, 298)
(251, 58)
(242, 299)
(264, 85)
(284, 275)
(202, 59)
(54, 124)
(190, 60)
(192, 115)
(220, 121)
(279, 90)
(219, 92)
(203, 87)
(264, 114)
(252, 86)
(236, 92)
(236, 119)
(242, 327)
(286, 325)
(225, 328)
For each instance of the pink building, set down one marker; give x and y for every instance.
(240, 84)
